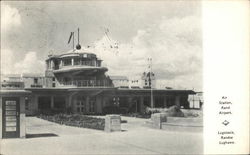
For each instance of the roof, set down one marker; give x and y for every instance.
(12, 75)
(33, 75)
(78, 68)
(73, 53)
(171, 91)
(118, 78)
(14, 92)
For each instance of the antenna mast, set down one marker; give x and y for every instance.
(78, 46)
(150, 83)
(73, 41)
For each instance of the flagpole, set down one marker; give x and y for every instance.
(151, 90)
(73, 40)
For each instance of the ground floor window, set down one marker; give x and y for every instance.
(92, 104)
(81, 104)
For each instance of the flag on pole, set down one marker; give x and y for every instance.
(71, 33)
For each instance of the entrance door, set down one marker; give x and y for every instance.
(11, 117)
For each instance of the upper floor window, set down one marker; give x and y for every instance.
(77, 61)
(35, 80)
(67, 62)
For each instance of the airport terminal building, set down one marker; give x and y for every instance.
(77, 82)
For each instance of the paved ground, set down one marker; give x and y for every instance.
(50, 138)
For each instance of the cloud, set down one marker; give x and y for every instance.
(30, 63)
(174, 45)
(7, 60)
(10, 17)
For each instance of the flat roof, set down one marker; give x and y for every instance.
(7, 92)
(78, 68)
(155, 90)
(118, 77)
(121, 90)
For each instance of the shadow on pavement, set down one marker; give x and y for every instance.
(41, 135)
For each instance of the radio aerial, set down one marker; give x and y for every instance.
(78, 46)
(72, 34)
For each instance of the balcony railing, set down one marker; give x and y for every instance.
(87, 83)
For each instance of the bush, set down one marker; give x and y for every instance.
(115, 110)
(174, 111)
(75, 120)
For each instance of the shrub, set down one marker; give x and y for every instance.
(115, 110)
(76, 120)
(174, 111)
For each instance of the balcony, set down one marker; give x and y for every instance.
(79, 69)
(87, 83)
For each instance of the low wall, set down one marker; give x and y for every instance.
(185, 121)
(161, 121)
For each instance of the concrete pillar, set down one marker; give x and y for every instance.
(99, 104)
(152, 102)
(52, 102)
(69, 101)
(52, 64)
(1, 119)
(22, 118)
(33, 105)
(165, 101)
(49, 66)
(141, 104)
(177, 101)
(129, 101)
(72, 61)
(87, 104)
(61, 63)
(36, 102)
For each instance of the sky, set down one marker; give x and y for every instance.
(169, 32)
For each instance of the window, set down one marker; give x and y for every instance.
(92, 104)
(35, 80)
(26, 103)
(67, 62)
(76, 61)
(53, 79)
(53, 85)
(80, 104)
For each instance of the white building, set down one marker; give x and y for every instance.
(120, 81)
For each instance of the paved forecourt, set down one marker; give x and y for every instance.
(135, 138)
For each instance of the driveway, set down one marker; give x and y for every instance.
(45, 137)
